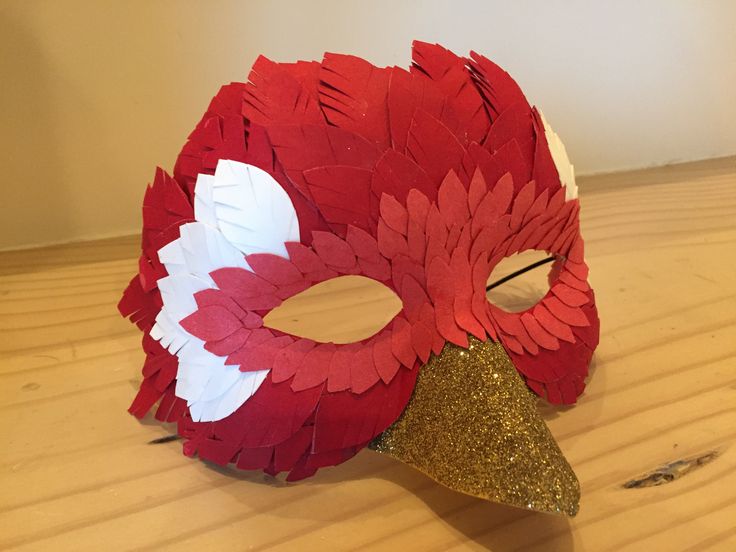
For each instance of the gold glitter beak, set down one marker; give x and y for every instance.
(473, 426)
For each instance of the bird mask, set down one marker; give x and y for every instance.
(421, 180)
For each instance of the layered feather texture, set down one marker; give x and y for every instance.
(422, 179)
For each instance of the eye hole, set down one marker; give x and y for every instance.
(523, 291)
(341, 310)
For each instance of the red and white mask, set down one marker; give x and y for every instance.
(422, 180)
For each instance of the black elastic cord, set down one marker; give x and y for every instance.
(164, 439)
(519, 272)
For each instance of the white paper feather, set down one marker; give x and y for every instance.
(562, 162)
(252, 210)
(240, 210)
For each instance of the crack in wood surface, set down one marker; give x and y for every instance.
(671, 471)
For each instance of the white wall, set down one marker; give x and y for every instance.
(95, 93)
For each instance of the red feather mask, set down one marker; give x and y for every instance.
(423, 180)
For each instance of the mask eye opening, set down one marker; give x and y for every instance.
(519, 282)
(344, 309)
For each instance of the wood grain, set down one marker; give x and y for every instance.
(76, 472)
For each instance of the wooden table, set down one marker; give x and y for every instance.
(77, 472)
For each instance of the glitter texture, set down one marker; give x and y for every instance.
(473, 426)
